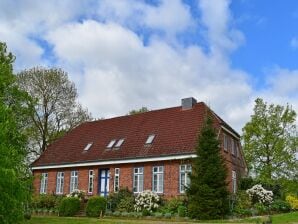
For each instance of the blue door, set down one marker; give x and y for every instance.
(103, 182)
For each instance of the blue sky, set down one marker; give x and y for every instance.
(127, 54)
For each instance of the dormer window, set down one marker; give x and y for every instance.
(119, 143)
(110, 145)
(88, 146)
(150, 139)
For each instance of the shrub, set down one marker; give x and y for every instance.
(168, 215)
(260, 208)
(246, 183)
(146, 212)
(115, 198)
(126, 205)
(77, 194)
(182, 210)
(243, 201)
(293, 201)
(147, 200)
(69, 206)
(95, 206)
(117, 213)
(46, 201)
(158, 214)
(280, 206)
(258, 194)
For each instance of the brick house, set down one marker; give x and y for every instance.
(151, 150)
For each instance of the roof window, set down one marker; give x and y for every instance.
(110, 145)
(150, 139)
(119, 143)
(88, 146)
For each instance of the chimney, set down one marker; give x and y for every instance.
(188, 103)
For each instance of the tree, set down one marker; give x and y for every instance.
(56, 109)
(207, 192)
(271, 141)
(14, 176)
(139, 111)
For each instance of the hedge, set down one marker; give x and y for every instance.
(69, 206)
(96, 205)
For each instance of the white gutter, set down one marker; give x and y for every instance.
(110, 162)
(227, 130)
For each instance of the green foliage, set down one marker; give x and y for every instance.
(126, 204)
(270, 142)
(96, 205)
(46, 201)
(115, 198)
(69, 206)
(172, 205)
(246, 183)
(15, 178)
(139, 111)
(242, 201)
(280, 206)
(182, 211)
(207, 193)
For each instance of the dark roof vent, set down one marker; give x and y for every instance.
(188, 103)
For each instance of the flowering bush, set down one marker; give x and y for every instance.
(293, 201)
(258, 194)
(147, 200)
(77, 194)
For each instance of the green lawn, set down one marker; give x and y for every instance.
(281, 218)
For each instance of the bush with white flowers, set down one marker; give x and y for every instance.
(258, 194)
(147, 200)
(77, 194)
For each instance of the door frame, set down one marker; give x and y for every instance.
(107, 177)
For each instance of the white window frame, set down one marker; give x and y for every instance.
(88, 146)
(150, 139)
(74, 181)
(234, 182)
(138, 179)
(43, 183)
(117, 179)
(90, 181)
(119, 143)
(226, 143)
(111, 143)
(158, 179)
(233, 146)
(184, 177)
(59, 182)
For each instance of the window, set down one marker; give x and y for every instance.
(90, 181)
(88, 146)
(59, 183)
(185, 170)
(44, 183)
(117, 179)
(237, 150)
(157, 179)
(150, 139)
(226, 144)
(138, 180)
(234, 182)
(119, 143)
(110, 145)
(233, 146)
(74, 181)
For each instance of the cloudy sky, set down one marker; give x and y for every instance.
(125, 54)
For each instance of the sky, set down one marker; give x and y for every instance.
(126, 54)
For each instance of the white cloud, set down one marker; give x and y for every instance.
(294, 43)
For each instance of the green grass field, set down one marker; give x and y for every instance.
(281, 218)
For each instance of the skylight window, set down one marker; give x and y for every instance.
(119, 143)
(88, 146)
(150, 139)
(110, 145)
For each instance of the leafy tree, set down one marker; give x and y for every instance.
(139, 111)
(271, 141)
(14, 176)
(207, 193)
(56, 109)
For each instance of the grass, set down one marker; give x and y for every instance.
(280, 218)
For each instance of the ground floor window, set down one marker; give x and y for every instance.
(185, 171)
(138, 180)
(90, 181)
(43, 183)
(59, 183)
(157, 179)
(117, 179)
(234, 181)
(74, 181)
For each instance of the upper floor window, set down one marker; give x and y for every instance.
(233, 143)
(226, 143)
(119, 143)
(90, 181)
(234, 181)
(157, 179)
(74, 181)
(138, 180)
(88, 146)
(185, 171)
(111, 144)
(43, 183)
(150, 139)
(59, 183)
(117, 179)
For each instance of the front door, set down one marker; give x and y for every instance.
(103, 182)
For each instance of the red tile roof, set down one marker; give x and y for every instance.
(176, 132)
